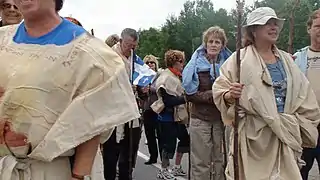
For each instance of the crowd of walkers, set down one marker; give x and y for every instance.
(62, 91)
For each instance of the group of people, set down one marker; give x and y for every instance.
(62, 93)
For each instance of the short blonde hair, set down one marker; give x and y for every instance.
(151, 58)
(315, 15)
(173, 56)
(112, 40)
(217, 32)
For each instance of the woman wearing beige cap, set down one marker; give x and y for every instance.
(279, 111)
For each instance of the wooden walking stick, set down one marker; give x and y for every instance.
(240, 6)
(224, 146)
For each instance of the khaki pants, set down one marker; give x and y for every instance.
(206, 150)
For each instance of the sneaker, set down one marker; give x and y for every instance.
(178, 171)
(165, 175)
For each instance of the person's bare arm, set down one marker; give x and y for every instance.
(84, 157)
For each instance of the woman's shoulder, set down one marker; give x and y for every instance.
(97, 52)
(8, 31)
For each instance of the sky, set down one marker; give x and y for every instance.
(108, 17)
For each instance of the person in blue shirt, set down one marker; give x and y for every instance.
(61, 89)
(278, 111)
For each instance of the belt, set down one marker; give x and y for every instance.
(11, 167)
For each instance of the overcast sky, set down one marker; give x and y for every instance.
(111, 16)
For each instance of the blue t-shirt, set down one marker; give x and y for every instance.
(63, 34)
(279, 80)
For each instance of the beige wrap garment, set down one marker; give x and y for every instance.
(270, 143)
(59, 97)
(172, 85)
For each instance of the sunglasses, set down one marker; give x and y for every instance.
(150, 62)
(8, 6)
(181, 61)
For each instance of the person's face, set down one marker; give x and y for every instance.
(214, 46)
(152, 65)
(179, 65)
(127, 44)
(267, 33)
(314, 31)
(10, 13)
(32, 8)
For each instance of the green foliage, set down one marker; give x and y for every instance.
(184, 32)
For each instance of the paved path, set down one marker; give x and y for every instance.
(144, 172)
(314, 174)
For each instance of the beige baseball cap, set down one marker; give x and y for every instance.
(261, 16)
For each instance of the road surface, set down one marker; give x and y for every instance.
(144, 172)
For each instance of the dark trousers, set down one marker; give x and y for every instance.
(169, 133)
(309, 155)
(152, 132)
(114, 152)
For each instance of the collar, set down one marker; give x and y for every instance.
(175, 72)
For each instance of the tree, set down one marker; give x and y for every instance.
(184, 32)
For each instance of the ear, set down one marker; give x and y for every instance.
(309, 30)
(254, 34)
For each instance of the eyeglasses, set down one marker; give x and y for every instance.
(150, 62)
(8, 6)
(181, 61)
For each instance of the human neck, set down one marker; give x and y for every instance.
(266, 52)
(125, 54)
(212, 58)
(315, 46)
(38, 27)
(263, 48)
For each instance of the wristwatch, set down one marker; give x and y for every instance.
(86, 177)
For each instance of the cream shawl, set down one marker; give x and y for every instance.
(270, 143)
(59, 97)
(172, 85)
(126, 61)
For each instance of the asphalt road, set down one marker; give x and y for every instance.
(144, 172)
(149, 172)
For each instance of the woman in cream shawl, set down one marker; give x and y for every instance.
(279, 111)
(172, 115)
(62, 95)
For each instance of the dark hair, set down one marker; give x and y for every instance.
(130, 32)
(59, 4)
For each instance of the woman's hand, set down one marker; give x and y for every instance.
(235, 90)
(12, 138)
